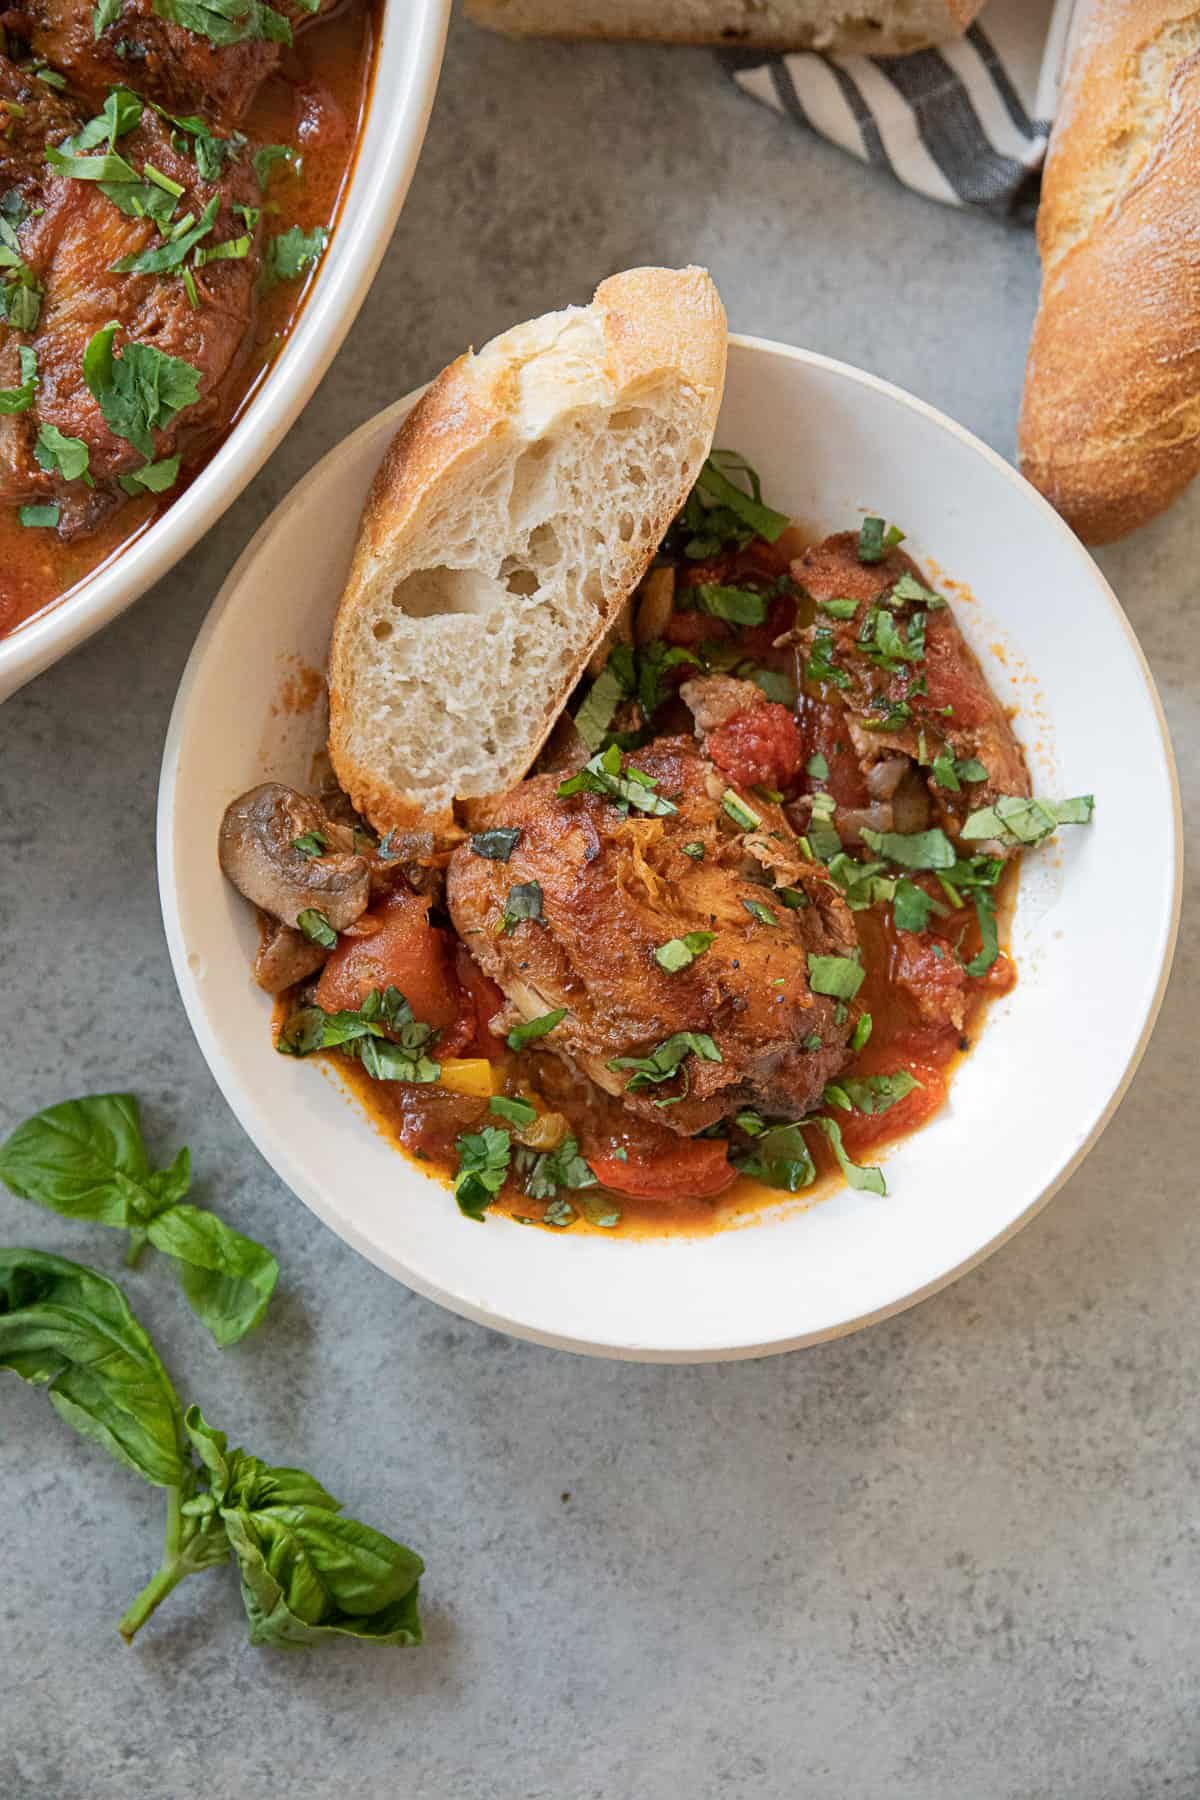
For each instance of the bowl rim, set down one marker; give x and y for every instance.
(370, 209)
(291, 1169)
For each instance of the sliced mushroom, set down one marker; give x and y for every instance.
(286, 957)
(257, 849)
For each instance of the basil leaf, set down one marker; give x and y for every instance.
(595, 715)
(152, 477)
(911, 907)
(874, 1094)
(862, 1032)
(762, 913)
(520, 1035)
(739, 606)
(86, 1159)
(225, 22)
(743, 816)
(678, 953)
(715, 484)
(652, 663)
(912, 850)
(524, 903)
(780, 1157)
(267, 156)
(602, 775)
(874, 540)
(311, 844)
(483, 1159)
(70, 1330)
(20, 399)
(840, 977)
(989, 942)
(104, 14)
(316, 927)
(869, 1180)
(695, 850)
(140, 392)
(518, 1112)
(161, 258)
(838, 609)
(498, 844)
(43, 515)
(665, 1058)
(818, 767)
(227, 1279)
(59, 454)
(553, 1169)
(909, 588)
(1016, 821)
(289, 254)
(819, 666)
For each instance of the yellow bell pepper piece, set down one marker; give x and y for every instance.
(469, 1075)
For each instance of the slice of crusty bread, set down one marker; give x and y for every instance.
(872, 27)
(515, 511)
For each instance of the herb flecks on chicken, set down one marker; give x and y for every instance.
(684, 1035)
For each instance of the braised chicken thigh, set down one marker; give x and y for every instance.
(645, 927)
(131, 304)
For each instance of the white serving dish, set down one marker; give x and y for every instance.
(408, 59)
(1093, 949)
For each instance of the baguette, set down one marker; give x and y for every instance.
(1110, 419)
(887, 28)
(514, 514)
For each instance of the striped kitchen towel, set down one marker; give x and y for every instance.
(966, 123)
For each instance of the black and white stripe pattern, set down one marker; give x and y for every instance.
(965, 124)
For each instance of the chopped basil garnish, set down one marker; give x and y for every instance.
(862, 1032)
(602, 775)
(517, 1112)
(743, 816)
(104, 14)
(819, 667)
(875, 540)
(678, 953)
(780, 1157)
(365, 1035)
(762, 913)
(869, 1180)
(665, 1058)
(1016, 821)
(225, 22)
(152, 477)
(909, 588)
(795, 899)
(871, 1094)
(20, 399)
(159, 259)
(554, 1169)
(311, 843)
(268, 156)
(838, 609)
(520, 1035)
(141, 391)
(292, 252)
(739, 606)
(911, 907)
(62, 455)
(714, 483)
(779, 688)
(524, 902)
(912, 849)
(482, 1165)
(840, 977)
(989, 943)
(601, 702)
(39, 515)
(818, 767)
(316, 927)
(949, 774)
(695, 851)
(498, 844)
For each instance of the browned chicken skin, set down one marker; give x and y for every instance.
(181, 69)
(955, 710)
(70, 234)
(615, 888)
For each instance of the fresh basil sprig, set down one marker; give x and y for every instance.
(306, 1571)
(86, 1159)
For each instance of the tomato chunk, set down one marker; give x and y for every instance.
(760, 747)
(692, 1169)
(407, 952)
(486, 999)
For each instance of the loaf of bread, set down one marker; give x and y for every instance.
(513, 515)
(885, 28)
(1110, 421)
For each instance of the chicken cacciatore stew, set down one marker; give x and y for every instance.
(727, 939)
(170, 172)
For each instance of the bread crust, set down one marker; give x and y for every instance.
(1110, 417)
(948, 19)
(653, 320)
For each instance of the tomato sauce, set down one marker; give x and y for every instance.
(317, 105)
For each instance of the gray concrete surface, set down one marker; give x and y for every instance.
(954, 1558)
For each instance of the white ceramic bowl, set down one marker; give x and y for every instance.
(1093, 951)
(408, 59)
